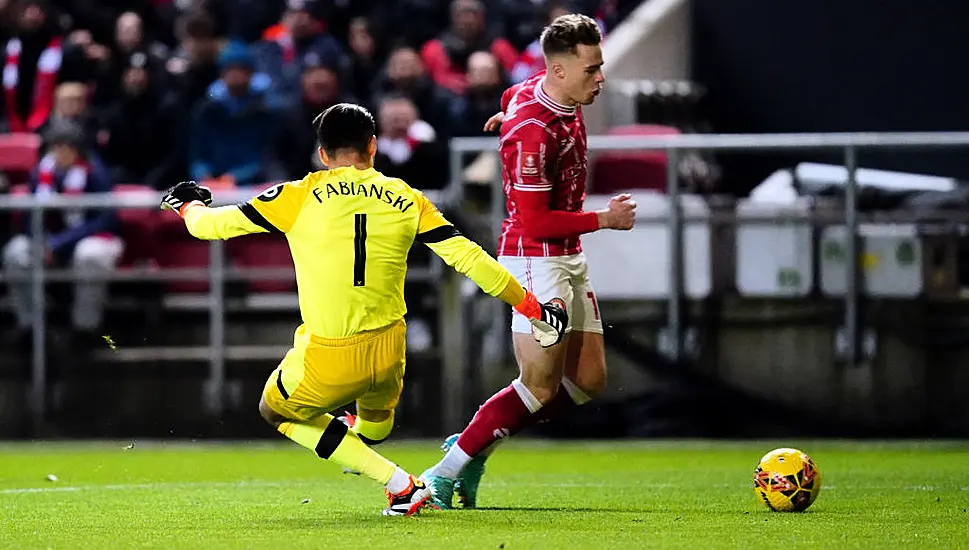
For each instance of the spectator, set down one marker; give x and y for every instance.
(339, 15)
(486, 83)
(88, 240)
(136, 131)
(8, 20)
(366, 58)
(232, 129)
(244, 20)
(300, 39)
(405, 76)
(532, 61)
(36, 62)
(98, 18)
(161, 22)
(93, 59)
(71, 105)
(407, 147)
(195, 65)
(524, 21)
(189, 72)
(446, 57)
(129, 39)
(414, 22)
(295, 150)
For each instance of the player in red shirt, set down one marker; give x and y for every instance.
(544, 167)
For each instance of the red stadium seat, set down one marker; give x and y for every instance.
(617, 171)
(176, 248)
(265, 251)
(138, 226)
(138, 229)
(18, 155)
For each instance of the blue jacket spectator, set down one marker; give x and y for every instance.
(232, 128)
(86, 240)
(70, 168)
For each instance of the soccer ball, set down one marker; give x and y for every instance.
(787, 480)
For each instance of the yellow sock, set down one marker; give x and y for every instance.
(373, 432)
(331, 440)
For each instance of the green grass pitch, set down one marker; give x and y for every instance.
(671, 494)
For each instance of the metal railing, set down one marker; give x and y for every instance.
(676, 146)
(453, 332)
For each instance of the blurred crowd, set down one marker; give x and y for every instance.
(156, 91)
(152, 92)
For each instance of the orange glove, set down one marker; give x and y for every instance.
(530, 307)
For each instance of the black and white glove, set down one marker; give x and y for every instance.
(549, 320)
(185, 193)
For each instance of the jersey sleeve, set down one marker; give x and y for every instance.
(222, 223)
(464, 255)
(507, 95)
(526, 151)
(510, 92)
(272, 211)
(526, 155)
(276, 208)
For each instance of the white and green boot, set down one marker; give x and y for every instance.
(466, 484)
(442, 490)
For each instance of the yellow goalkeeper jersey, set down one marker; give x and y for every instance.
(350, 231)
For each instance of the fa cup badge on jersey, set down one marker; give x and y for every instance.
(529, 164)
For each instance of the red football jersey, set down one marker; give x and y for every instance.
(544, 165)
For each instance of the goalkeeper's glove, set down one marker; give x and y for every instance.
(548, 320)
(184, 194)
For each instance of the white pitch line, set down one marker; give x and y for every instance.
(136, 486)
(242, 484)
(39, 490)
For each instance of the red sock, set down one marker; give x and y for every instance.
(502, 415)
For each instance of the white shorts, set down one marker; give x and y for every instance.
(565, 277)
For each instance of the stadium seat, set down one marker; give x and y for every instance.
(138, 228)
(176, 248)
(18, 156)
(617, 171)
(263, 251)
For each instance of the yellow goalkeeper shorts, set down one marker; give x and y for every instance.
(319, 375)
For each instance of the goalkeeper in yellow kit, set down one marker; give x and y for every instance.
(350, 229)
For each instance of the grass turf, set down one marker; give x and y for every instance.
(538, 495)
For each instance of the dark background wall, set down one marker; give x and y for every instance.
(834, 66)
